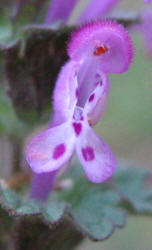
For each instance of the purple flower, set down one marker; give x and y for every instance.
(79, 102)
(59, 10)
(147, 1)
(97, 9)
(53, 147)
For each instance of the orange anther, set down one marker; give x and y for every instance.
(100, 50)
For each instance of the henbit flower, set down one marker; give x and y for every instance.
(59, 10)
(96, 9)
(79, 102)
(52, 148)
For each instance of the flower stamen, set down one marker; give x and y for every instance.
(100, 50)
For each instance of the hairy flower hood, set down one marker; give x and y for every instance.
(105, 41)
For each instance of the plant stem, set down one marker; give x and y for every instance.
(16, 144)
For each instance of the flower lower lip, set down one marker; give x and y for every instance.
(77, 128)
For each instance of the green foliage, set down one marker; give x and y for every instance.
(16, 205)
(9, 200)
(132, 188)
(97, 213)
(28, 208)
(95, 210)
(9, 122)
(5, 28)
(53, 211)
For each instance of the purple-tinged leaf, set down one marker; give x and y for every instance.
(31, 72)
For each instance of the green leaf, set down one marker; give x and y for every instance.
(15, 204)
(29, 208)
(9, 122)
(53, 211)
(97, 213)
(9, 199)
(96, 210)
(34, 229)
(130, 183)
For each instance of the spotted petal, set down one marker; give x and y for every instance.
(95, 156)
(51, 149)
(96, 103)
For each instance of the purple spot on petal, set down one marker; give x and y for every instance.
(77, 127)
(59, 151)
(91, 98)
(77, 92)
(88, 153)
(100, 83)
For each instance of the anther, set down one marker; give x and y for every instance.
(100, 50)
